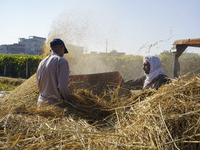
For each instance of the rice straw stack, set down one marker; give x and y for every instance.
(165, 119)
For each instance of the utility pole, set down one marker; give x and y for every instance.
(106, 45)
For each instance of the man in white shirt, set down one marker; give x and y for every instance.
(52, 75)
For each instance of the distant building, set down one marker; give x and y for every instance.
(112, 53)
(115, 53)
(2, 49)
(189, 53)
(93, 53)
(33, 45)
(12, 49)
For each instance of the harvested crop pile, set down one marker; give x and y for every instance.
(163, 119)
(26, 93)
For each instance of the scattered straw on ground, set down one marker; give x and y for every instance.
(163, 119)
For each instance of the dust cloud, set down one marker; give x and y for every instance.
(80, 29)
(87, 65)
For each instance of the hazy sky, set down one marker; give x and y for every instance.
(129, 26)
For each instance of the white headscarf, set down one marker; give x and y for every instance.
(155, 69)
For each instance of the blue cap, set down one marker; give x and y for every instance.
(58, 42)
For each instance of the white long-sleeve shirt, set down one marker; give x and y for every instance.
(52, 79)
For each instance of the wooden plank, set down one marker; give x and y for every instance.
(190, 42)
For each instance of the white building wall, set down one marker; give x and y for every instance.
(33, 44)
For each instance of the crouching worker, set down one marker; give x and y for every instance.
(52, 76)
(154, 75)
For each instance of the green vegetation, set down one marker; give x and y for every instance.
(129, 66)
(6, 87)
(16, 64)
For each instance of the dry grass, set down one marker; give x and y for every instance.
(163, 119)
(9, 84)
(12, 81)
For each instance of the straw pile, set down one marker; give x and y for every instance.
(163, 119)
